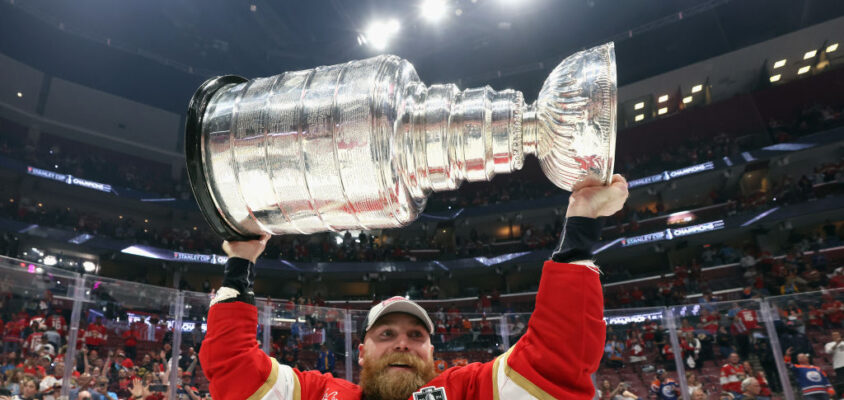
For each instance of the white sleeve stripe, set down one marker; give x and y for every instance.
(286, 385)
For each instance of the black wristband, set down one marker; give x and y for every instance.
(240, 275)
(579, 236)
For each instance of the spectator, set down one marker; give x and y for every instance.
(836, 348)
(29, 389)
(811, 379)
(750, 389)
(325, 360)
(732, 374)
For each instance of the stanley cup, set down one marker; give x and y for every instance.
(361, 145)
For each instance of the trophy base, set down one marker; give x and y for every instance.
(193, 157)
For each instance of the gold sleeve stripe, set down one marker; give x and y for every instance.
(297, 389)
(268, 384)
(520, 380)
(495, 395)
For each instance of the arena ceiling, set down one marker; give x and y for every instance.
(157, 52)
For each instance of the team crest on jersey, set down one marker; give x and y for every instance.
(430, 393)
(814, 376)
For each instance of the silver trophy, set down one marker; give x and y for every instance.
(361, 145)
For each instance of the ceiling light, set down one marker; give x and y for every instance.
(687, 99)
(639, 117)
(775, 78)
(50, 261)
(379, 33)
(663, 98)
(662, 110)
(89, 266)
(433, 10)
(697, 88)
(780, 63)
(640, 105)
(804, 69)
(20, 94)
(809, 54)
(832, 47)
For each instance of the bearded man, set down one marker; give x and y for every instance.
(554, 359)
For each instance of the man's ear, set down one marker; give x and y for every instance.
(360, 355)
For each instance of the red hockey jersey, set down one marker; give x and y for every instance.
(555, 358)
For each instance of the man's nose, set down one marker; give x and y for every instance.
(401, 343)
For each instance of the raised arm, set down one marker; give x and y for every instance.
(231, 359)
(565, 338)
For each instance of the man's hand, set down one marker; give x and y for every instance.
(246, 250)
(592, 199)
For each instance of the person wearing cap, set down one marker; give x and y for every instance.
(554, 359)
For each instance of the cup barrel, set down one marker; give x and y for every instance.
(576, 118)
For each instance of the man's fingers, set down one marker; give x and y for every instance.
(586, 181)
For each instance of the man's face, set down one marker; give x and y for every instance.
(803, 358)
(836, 336)
(397, 357)
(734, 358)
(29, 389)
(754, 388)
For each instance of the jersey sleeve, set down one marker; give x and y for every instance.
(564, 341)
(236, 367)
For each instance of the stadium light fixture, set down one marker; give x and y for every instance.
(89, 266)
(639, 117)
(775, 78)
(831, 48)
(697, 88)
(50, 260)
(20, 94)
(804, 69)
(780, 63)
(809, 54)
(662, 110)
(687, 99)
(433, 10)
(379, 33)
(663, 98)
(640, 105)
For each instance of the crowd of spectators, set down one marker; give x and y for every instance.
(97, 164)
(364, 247)
(758, 273)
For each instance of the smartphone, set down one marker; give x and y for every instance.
(158, 388)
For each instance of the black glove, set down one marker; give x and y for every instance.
(579, 235)
(239, 275)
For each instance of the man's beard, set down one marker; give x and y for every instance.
(380, 383)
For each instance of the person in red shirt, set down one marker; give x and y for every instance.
(131, 337)
(32, 341)
(760, 376)
(13, 335)
(96, 334)
(750, 319)
(668, 357)
(57, 322)
(834, 311)
(555, 358)
(709, 321)
(732, 373)
(636, 346)
(815, 318)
